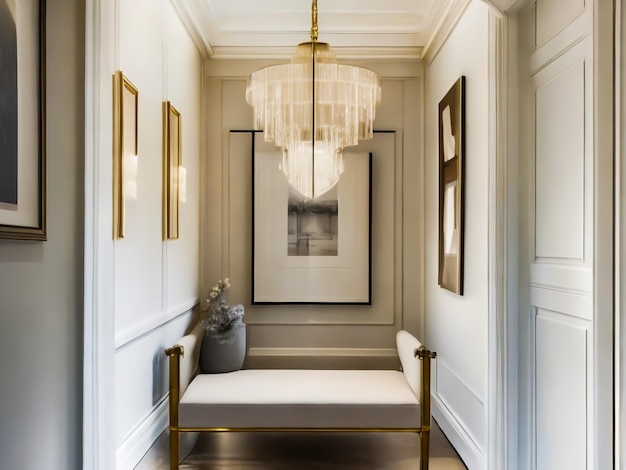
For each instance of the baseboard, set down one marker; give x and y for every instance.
(322, 358)
(324, 352)
(139, 441)
(460, 439)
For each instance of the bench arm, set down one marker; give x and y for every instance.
(184, 364)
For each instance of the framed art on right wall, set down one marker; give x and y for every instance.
(451, 187)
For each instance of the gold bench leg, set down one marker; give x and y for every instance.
(425, 355)
(174, 449)
(424, 449)
(174, 354)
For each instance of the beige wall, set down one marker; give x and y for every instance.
(41, 283)
(333, 335)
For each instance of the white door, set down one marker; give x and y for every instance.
(565, 219)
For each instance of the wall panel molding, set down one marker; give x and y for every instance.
(561, 397)
(571, 304)
(560, 162)
(567, 277)
(141, 329)
(461, 401)
(568, 38)
(458, 436)
(386, 309)
(141, 438)
(553, 16)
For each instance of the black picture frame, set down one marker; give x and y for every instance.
(452, 187)
(320, 286)
(23, 211)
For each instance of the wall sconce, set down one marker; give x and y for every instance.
(171, 170)
(131, 171)
(125, 143)
(182, 184)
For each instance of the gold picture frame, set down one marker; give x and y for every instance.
(23, 169)
(451, 187)
(172, 160)
(125, 142)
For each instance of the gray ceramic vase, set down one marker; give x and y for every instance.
(223, 352)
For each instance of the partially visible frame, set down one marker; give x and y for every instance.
(23, 168)
(125, 142)
(451, 187)
(311, 252)
(172, 160)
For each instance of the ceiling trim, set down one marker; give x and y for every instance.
(447, 22)
(192, 15)
(197, 15)
(342, 53)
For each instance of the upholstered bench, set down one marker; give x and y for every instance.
(256, 400)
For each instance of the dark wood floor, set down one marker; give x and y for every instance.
(309, 451)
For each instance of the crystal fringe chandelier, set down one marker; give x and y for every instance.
(313, 107)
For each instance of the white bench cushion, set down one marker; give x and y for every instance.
(270, 398)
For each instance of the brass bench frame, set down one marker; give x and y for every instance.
(176, 352)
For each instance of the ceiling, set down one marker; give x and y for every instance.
(384, 29)
(354, 28)
(348, 23)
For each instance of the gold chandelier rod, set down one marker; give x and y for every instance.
(314, 21)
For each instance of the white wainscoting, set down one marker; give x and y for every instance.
(473, 457)
(560, 168)
(567, 38)
(141, 377)
(462, 402)
(561, 346)
(554, 15)
(561, 245)
(139, 441)
(136, 332)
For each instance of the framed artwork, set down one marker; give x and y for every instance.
(451, 187)
(311, 251)
(22, 120)
(171, 164)
(125, 143)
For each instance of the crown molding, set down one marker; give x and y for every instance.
(343, 53)
(194, 16)
(501, 5)
(197, 17)
(448, 20)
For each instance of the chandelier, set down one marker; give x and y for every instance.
(312, 108)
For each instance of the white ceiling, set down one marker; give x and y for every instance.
(374, 29)
(342, 23)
